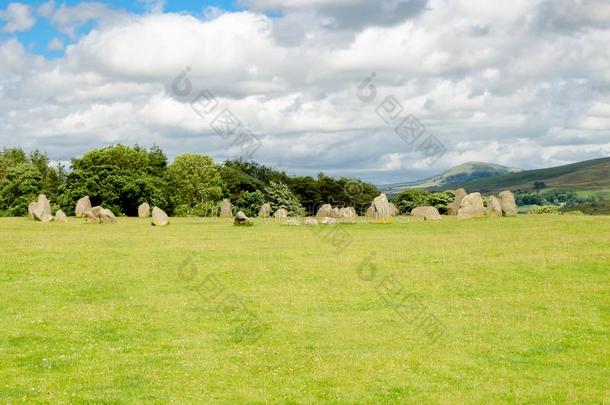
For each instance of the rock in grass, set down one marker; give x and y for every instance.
(265, 211)
(292, 222)
(83, 205)
(454, 207)
(348, 215)
(325, 210)
(159, 217)
(328, 221)
(31, 209)
(471, 206)
(242, 219)
(428, 213)
(60, 216)
(144, 210)
(225, 209)
(494, 208)
(507, 201)
(107, 217)
(41, 211)
(311, 221)
(393, 209)
(382, 211)
(281, 213)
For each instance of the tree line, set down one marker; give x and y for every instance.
(121, 177)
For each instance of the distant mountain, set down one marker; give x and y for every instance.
(593, 175)
(458, 174)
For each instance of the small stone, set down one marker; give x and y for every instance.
(60, 216)
(144, 210)
(159, 217)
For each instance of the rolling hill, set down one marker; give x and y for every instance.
(590, 175)
(462, 173)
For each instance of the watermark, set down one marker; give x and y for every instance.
(408, 128)
(220, 119)
(405, 304)
(222, 300)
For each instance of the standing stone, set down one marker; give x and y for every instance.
(106, 216)
(393, 210)
(225, 209)
(159, 217)
(60, 216)
(91, 217)
(428, 213)
(265, 211)
(471, 206)
(370, 212)
(144, 210)
(507, 201)
(336, 213)
(42, 210)
(494, 208)
(381, 210)
(311, 221)
(83, 205)
(325, 211)
(454, 207)
(281, 213)
(348, 215)
(242, 219)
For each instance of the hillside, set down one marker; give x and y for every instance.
(462, 173)
(590, 175)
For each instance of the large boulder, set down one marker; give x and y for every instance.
(454, 207)
(91, 217)
(325, 211)
(393, 210)
(471, 206)
(159, 217)
(60, 216)
(225, 209)
(144, 210)
(83, 205)
(348, 215)
(382, 211)
(507, 201)
(106, 216)
(242, 219)
(428, 213)
(265, 211)
(336, 213)
(328, 221)
(31, 209)
(311, 221)
(281, 213)
(370, 212)
(41, 211)
(494, 208)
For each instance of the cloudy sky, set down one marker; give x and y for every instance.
(524, 83)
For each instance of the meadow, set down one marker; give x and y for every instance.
(202, 311)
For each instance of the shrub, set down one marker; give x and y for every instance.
(545, 209)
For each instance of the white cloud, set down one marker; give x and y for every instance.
(55, 44)
(18, 17)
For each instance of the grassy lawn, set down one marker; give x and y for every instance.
(134, 313)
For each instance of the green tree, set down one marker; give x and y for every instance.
(250, 202)
(280, 196)
(411, 198)
(20, 186)
(195, 182)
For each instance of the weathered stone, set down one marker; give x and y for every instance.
(370, 212)
(60, 216)
(428, 213)
(159, 217)
(507, 201)
(292, 222)
(242, 219)
(106, 216)
(311, 221)
(144, 210)
(393, 210)
(31, 209)
(96, 210)
(381, 210)
(348, 215)
(494, 208)
(265, 211)
(225, 209)
(328, 221)
(281, 213)
(454, 207)
(336, 213)
(42, 210)
(325, 211)
(91, 217)
(83, 205)
(471, 206)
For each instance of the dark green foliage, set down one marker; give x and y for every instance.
(19, 187)
(280, 196)
(412, 198)
(250, 202)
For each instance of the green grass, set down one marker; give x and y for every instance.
(123, 313)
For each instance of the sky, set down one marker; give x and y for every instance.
(387, 91)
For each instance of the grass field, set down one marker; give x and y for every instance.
(130, 312)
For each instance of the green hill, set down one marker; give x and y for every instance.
(462, 173)
(591, 176)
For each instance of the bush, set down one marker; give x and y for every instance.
(545, 209)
